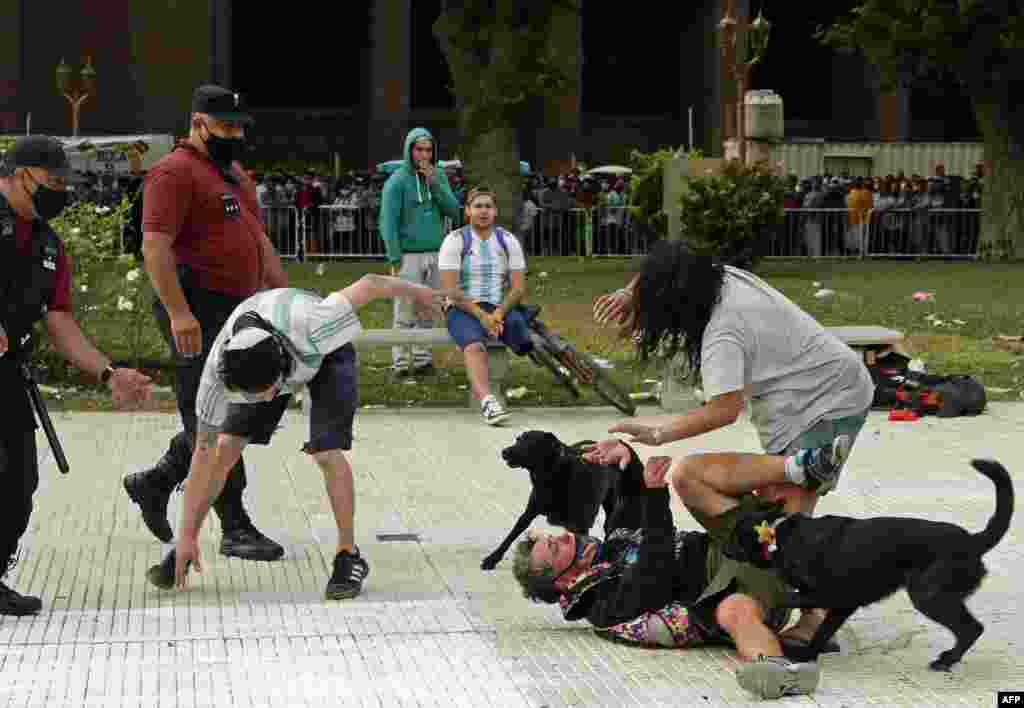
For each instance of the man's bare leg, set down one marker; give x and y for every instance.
(340, 490)
(711, 483)
(743, 618)
(476, 370)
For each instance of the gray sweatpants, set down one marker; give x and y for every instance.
(420, 268)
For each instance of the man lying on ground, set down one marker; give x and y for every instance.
(651, 584)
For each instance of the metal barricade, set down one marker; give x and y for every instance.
(819, 233)
(342, 231)
(924, 232)
(615, 233)
(283, 224)
(558, 232)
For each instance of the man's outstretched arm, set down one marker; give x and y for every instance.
(373, 286)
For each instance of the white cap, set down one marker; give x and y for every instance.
(247, 338)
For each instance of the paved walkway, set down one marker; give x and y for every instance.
(431, 628)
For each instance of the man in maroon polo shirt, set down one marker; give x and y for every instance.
(35, 284)
(206, 250)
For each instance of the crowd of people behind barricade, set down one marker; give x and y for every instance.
(339, 216)
(101, 188)
(826, 215)
(831, 215)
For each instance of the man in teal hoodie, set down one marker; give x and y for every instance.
(415, 198)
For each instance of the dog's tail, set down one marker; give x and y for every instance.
(999, 524)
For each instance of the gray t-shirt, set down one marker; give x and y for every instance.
(796, 373)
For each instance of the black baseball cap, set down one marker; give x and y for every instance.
(39, 151)
(221, 104)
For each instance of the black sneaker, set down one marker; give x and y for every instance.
(248, 543)
(350, 570)
(16, 604)
(823, 466)
(152, 500)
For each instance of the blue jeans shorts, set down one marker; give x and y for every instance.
(334, 398)
(466, 329)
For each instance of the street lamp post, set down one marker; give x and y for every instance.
(76, 90)
(756, 34)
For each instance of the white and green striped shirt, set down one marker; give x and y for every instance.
(315, 327)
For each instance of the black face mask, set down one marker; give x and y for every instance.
(223, 150)
(48, 203)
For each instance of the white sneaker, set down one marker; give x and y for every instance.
(492, 410)
(777, 676)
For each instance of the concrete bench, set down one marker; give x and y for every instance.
(674, 394)
(866, 340)
(497, 352)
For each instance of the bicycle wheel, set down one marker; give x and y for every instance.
(602, 383)
(542, 357)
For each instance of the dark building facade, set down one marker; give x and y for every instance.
(355, 84)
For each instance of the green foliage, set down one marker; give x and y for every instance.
(646, 187)
(730, 215)
(105, 286)
(977, 40)
(502, 54)
(91, 236)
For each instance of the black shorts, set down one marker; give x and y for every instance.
(334, 397)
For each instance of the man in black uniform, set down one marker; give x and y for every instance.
(35, 284)
(206, 250)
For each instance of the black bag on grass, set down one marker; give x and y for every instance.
(943, 396)
(896, 386)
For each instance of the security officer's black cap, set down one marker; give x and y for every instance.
(39, 151)
(220, 103)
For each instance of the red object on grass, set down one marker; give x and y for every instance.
(902, 414)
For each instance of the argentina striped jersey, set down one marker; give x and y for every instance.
(315, 327)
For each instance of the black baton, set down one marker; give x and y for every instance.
(44, 418)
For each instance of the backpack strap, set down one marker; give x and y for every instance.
(467, 240)
(500, 233)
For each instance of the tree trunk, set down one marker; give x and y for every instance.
(1002, 199)
(497, 62)
(491, 159)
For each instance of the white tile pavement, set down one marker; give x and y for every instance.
(431, 629)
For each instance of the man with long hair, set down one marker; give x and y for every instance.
(808, 392)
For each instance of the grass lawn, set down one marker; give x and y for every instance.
(972, 303)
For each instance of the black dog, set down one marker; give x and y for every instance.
(842, 564)
(567, 490)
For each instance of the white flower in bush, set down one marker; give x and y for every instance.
(124, 303)
(132, 275)
(102, 210)
(75, 231)
(85, 288)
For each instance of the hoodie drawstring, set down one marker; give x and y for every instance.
(419, 195)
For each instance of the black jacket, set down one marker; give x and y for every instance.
(26, 286)
(644, 564)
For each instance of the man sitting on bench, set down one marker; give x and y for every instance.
(488, 264)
